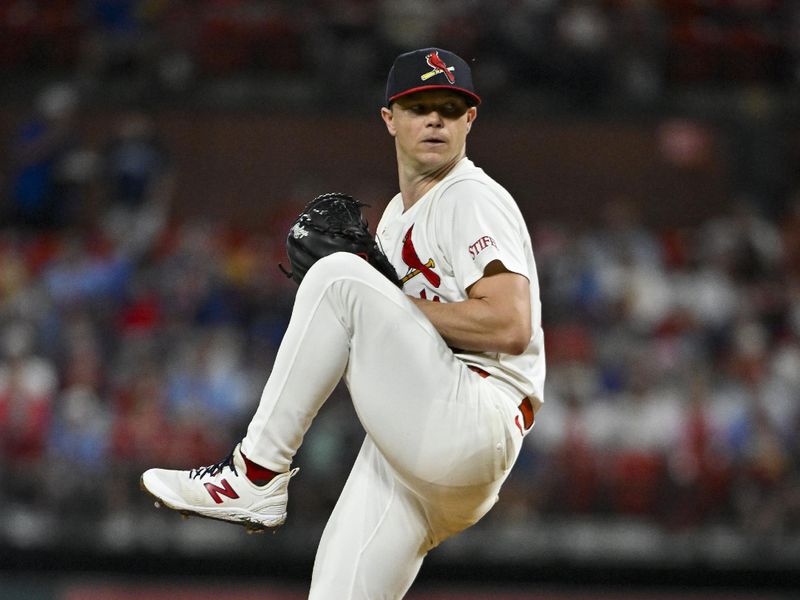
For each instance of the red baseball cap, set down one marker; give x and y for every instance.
(430, 69)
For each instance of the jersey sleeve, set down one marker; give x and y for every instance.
(482, 227)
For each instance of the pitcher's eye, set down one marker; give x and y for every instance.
(448, 109)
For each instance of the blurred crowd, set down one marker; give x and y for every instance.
(673, 372)
(584, 48)
(126, 338)
(133, 339)
(129, 339)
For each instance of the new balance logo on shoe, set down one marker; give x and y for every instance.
(221, 491)
(225, 490)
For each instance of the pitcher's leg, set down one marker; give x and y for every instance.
(309, 363)
(413, 397)
(314, 353)
(376, 538)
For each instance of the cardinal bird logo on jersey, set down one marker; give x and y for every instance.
(436, 63)
(415, 265)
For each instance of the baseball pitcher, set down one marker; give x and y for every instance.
(436, 329)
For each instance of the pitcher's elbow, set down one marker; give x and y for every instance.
(517, 341)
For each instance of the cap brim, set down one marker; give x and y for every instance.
(471, 95)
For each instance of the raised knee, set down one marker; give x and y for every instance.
(336, 266)
(346, 261)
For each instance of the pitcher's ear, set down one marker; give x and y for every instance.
(388, 118)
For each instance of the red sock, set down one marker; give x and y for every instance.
(256, 473)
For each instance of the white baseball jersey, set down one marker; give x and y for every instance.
(443, 243)
(440, 440)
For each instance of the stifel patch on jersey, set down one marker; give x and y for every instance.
(480, 245)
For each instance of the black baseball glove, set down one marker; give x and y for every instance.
(333, 223)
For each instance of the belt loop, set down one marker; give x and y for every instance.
(527, 412)
(524, 407)
(478, 370)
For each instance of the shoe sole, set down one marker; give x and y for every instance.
(237, 518)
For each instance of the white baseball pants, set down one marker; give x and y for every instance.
(440, 439)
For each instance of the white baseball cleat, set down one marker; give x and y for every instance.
(221, 491)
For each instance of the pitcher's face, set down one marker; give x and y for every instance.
(430, 127)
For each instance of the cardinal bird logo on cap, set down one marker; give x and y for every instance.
(436, 63)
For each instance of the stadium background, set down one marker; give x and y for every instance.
(152, 155)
